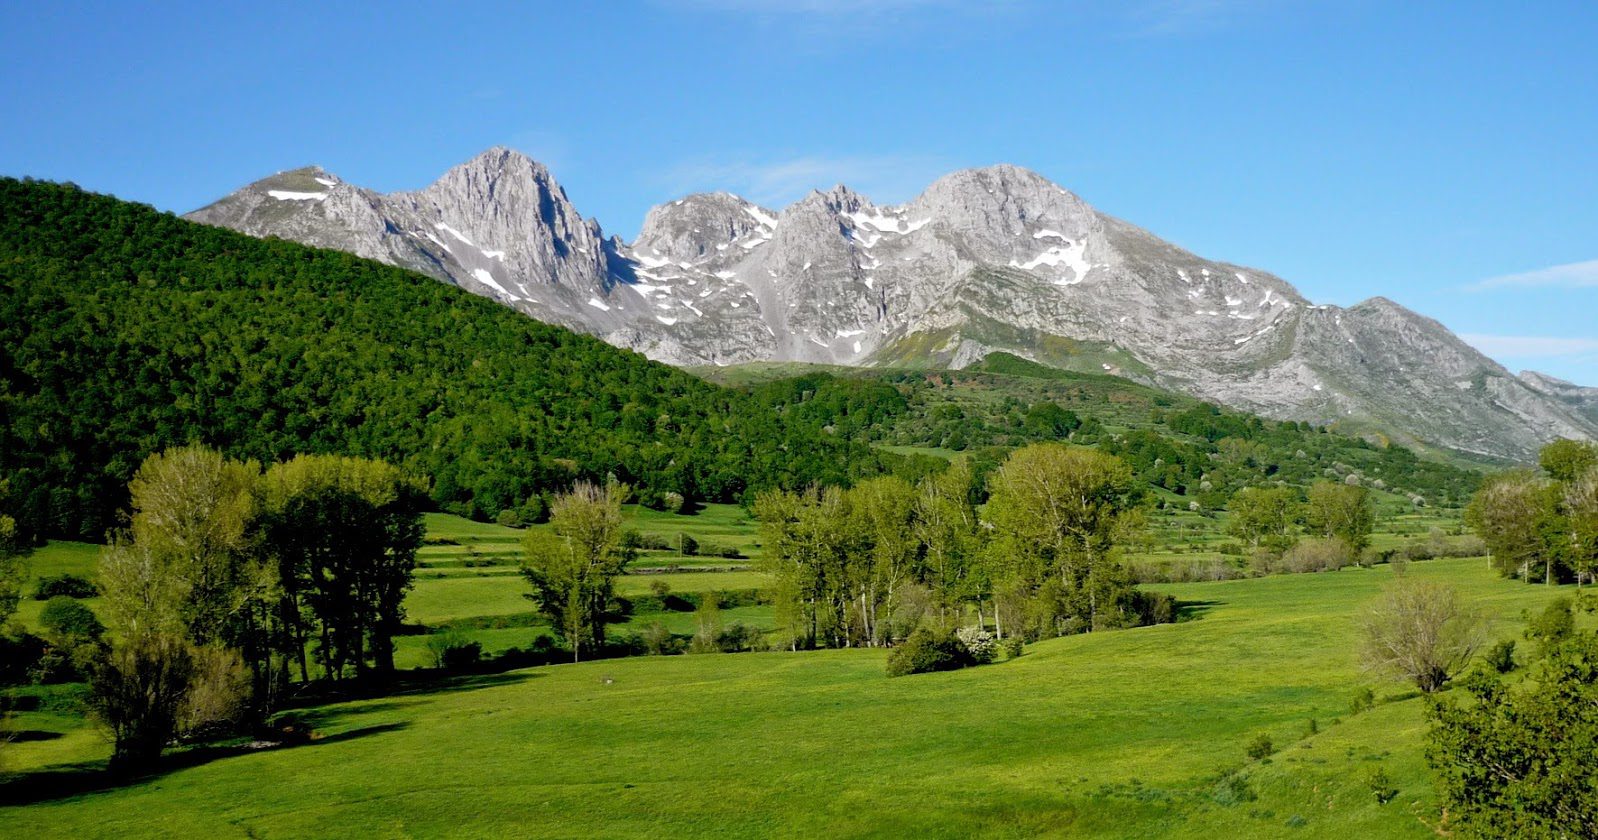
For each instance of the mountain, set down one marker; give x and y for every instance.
(127, 331)
(987, 259)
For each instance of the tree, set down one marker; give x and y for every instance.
(192, 511)
(1420, 631)
(573, 566)
(1057, 511)
(1514, 514)
(1341, 511)
(1516, 759)
(1264, 517)
(884, 509)
(138, 691)
(1580, 506)
(1565, 460)
(342, 534)
(13, 567)
(946, 525)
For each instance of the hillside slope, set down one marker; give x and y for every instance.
(127, 330)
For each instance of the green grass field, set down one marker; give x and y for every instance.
(1121, 734)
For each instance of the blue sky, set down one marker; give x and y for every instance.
(1444, 155)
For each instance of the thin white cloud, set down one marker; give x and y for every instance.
(886, 179)
(1530, 346)
(1576, 275)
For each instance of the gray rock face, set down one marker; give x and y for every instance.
(986, 259)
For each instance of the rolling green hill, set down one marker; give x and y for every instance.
(127, 330)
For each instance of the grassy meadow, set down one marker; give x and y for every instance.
(1122, 734)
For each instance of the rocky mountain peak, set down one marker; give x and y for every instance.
(697, 226)
(993, 258)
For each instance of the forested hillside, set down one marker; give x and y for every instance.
(126, 331)
(1197, 452)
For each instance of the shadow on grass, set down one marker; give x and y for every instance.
(70, 780)
(1194, 610)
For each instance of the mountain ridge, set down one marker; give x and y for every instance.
(994, 258)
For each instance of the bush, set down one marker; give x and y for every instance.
(979, 643)
(68, 621)
(1232, 790)
(1261, 747)
(658, 640)
(1014, 646)
(1315, 555)
(1381, 786)
(1501, 657)
(1364, 699)
(926, 651)
(68, 585)
(452, 649)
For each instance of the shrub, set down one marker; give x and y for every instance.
(1501, 657)
(1316, 555)
(1363, 700)
(452, 649)
(658, 640)
(1232, 789)
(1014, 646)
(68, 621)
(979, 643)
(68, 585)
(1261, 747)
(1380, 785)
(926, 651)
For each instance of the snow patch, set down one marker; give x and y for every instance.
(327, 182)
(495, 255)
(652, 262)
(1241, 278)
(453, 232)
(850, 333)
(664, 320)
(1050, 234)
(765, 219)
(598, 304)
(487, 279)
(857, 346)
(1061, 256)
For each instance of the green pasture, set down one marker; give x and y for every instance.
(1117, 734)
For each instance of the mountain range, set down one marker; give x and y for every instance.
(996, 258)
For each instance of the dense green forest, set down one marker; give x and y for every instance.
(127, 330)
(1198, 453)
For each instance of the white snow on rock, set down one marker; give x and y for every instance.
(598, 304)
(664, 320)
(850, 333)
(327, 182)
(1058, 256)
(1182, 274)
(648, 289)
(487, 279)
(453, 232)
(763, 218)
(287, 195)
(857, 346)
(652, 262)
(1242, 279)
(1050, 234)
(495, 255)
(726, 275)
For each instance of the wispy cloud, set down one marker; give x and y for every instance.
(1530, 346)
(774, 183)
(1576, 275)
